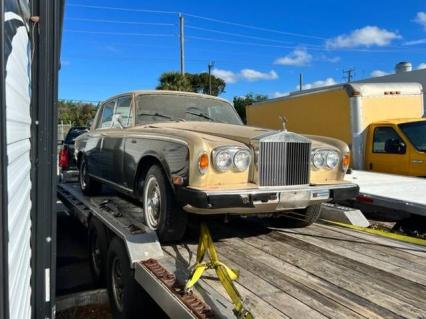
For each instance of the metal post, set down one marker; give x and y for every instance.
(182, 44)
(211, 64)
(300, 81)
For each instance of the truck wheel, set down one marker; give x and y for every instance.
(128, 299)
(87, 184)
(161, 212)
(98, 248)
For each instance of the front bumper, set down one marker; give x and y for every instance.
(262, 200)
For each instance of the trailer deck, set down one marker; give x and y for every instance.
(317, 272)
(394, 192)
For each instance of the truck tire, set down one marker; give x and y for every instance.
(161, 212)
(87, 184)
(98, 249)
(127, 298)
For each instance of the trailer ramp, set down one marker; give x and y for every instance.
(321, 271)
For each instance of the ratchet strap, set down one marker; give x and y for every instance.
(225, 274)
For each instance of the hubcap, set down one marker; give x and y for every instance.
(117, 284)
(152, 202)
(96, 255)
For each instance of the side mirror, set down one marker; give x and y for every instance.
(116, 120)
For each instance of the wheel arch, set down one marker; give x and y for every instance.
(144, 164)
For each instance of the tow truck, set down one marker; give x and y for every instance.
(322, 271)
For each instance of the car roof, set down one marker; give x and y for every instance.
(401, 120)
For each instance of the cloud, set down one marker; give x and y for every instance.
(227, 76)
(299, 57)
(253, 75)
(245, 74)
(367, 36)
(421, 18)
(377, 73)
(317, 84)
(331, 59)
(65, 62)
(421, 66)
(415, 42)
(279, 94)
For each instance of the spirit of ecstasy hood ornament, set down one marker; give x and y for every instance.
(283, 120)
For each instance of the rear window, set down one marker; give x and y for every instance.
(73, 134)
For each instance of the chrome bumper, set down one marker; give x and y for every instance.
(262, 200)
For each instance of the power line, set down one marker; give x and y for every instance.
(120, 9)
(122, 22)
(236, 34)
(255, 27)
(123, 33)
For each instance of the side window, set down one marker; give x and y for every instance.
(387, 140)
(124, 108)
(107, 112)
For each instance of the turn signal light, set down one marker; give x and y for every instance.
(346, 161)
(203, 163)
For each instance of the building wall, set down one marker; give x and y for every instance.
(418, 76)
(18, 135)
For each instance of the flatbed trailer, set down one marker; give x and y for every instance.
(391, 192)
(321, 271)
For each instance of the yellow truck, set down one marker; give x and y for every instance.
(381, 122)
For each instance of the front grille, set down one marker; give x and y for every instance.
(284, 163)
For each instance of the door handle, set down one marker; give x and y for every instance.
(370, 166)
(133, 141)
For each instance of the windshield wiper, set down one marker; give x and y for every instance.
(203, 116)
(161, 115)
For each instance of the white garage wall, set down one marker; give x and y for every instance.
(18, 133)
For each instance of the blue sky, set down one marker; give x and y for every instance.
(257, 46)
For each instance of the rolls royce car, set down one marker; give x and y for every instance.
(180, 153)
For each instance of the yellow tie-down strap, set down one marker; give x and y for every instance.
(225, 274)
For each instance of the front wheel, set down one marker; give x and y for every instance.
(306, 217)
(161, 211)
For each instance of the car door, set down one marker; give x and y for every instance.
(97, 164)
(387, 151)
(112, 151)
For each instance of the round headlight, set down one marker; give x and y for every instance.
(223, 160)
(242, 160)
(332, 159)
(318, 159)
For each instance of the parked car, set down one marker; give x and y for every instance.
(67, 160)
(182, 153)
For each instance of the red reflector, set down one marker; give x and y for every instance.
(64, 158)
(364, 199)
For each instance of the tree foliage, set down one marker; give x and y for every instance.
(78, 114)
(240, 103)
(191, 82)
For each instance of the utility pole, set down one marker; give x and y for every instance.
(300, 81)
(182, 44)
(211, 64)
(348, 74)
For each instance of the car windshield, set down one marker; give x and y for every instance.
(416, 133)
(153, 108)
(73, 134)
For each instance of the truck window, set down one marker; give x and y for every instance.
(124, 108)
(416, 133)
(107, 112)
(387, 140)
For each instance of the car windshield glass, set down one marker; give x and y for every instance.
(153, 108)
(416, 133)
(73, 134)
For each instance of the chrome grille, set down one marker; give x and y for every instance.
(284, 163)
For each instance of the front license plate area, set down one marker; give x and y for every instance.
(294, 199)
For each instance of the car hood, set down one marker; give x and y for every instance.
(240, 133)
